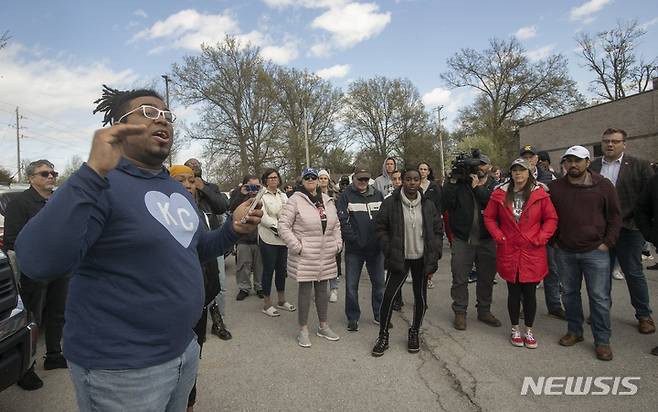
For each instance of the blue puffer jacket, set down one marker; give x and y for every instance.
(356, 212)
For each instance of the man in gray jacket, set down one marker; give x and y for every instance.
(383, 183)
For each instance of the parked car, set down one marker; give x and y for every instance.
(6, 195)
(18, 332)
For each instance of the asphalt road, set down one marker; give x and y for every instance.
(263, 368)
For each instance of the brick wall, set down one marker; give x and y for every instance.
(637, 114)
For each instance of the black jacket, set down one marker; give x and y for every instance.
(434, 193)
(212, 200)
(646, 211)
(634, 176)
(356, 212)
(460, 200)
(21, 209)
(390, 233)
(236, 199)
(544, 176)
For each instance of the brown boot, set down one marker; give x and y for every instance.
(570, 339)
(460, 321)
(489, 319)
(603, 352)
(645, 325)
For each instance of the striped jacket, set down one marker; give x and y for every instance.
(356, 212)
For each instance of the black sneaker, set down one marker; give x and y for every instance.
(260, 293)
(241, 295)
(353, 325)
(54, 361)
(380, 346)
(30, 381)
(413, 344)
(473, 277)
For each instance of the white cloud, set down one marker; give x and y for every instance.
(352, 23)
(345, 22)
(55, 95)
(525, 33)
(334, 72)
(140, 13)
(280, 54)
(585, 12)
(540, 53)
(437, 97)
(649, 23)
(188, 29)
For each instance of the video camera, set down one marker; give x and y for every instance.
(465, 165)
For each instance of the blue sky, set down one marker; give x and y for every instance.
(61, 52)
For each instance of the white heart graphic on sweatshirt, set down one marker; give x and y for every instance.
(175, 213)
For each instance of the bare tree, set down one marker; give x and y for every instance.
(381, 113)
(72, 166)
(4, 39)
(611, 56)
(511, 88)
(305, 94)
(235, 87)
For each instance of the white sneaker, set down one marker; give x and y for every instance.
(333, 296)
(303, 340)
(327, 333)
(618, 275)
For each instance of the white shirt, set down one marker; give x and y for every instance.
(610, 170)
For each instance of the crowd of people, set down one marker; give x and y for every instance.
(131, 253)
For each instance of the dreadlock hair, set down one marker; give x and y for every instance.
(113, 102)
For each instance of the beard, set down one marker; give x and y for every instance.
(573, 172)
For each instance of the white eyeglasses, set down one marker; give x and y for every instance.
(151, 112)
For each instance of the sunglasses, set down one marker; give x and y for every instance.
(310, 177)
(46, 174)
(363, 179)
(152, 113)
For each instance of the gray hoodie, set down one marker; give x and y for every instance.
(383, 183)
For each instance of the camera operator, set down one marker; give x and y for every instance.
(465, 195)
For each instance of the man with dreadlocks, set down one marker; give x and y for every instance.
(131, 236)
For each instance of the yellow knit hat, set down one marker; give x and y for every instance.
(180, 170)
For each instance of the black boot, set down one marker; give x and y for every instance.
(413, 345)
(218, 327)
(30, 381)
(381, 345)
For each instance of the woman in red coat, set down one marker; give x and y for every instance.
(521, 219)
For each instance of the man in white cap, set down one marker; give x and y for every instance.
(589, 222)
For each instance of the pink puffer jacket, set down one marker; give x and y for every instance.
(311, 254)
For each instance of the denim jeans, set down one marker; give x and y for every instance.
(628, 252)
(595, 267)
(220, 299)
(158, 388)
(552, 282)
(353, 265)
(275, 262)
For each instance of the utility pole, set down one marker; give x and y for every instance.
(308, 159)
(443, 166)
(18, 144)
(167, 80)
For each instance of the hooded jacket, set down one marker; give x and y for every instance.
(390, 233)
(521, 246)
(356, 212)
(383, 183)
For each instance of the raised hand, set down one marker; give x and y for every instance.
(106, 146)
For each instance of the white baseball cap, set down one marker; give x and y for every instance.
(578, 151)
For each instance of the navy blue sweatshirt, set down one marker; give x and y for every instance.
(134, 242)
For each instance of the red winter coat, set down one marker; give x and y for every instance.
(521, 247)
